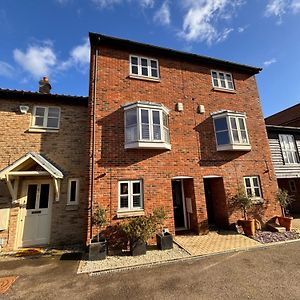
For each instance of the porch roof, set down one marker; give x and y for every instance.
(39, 159)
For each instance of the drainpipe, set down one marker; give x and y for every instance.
(93, 142)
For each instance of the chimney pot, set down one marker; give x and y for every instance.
(45, 86)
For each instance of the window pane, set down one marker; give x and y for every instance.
(230, 85)
(131, 134)
(257, 192)
(39, 121)
(255, 181)
(40, 111)
(154, 64)
(131, 117)
(31, 196)
(155, 117)
(244, 137)
(247, 182)
(124, 202)
(144, 71)
(52, 122)
(73, 191)
(220, 124)
(136, 188)
(214, 74)
(222, 76)
(134, 70)
(166, 137)
(136, 201)
(249, 192)
(145, 132)
(154, 73)
(216, 82)
(156, 132)
(223, 84)
(134, 60)
(144, 62)
(233, 123)
(145, 116)
(235, 136)
(165, 119)
(53, 112)
(228, 77)
(222, 138)
(242, 123)
(44, 196)
(124, 188)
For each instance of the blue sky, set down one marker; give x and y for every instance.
(50, 38)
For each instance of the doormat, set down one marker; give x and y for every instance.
(29, 252)
(6, 283)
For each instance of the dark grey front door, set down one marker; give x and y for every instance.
(178, 204)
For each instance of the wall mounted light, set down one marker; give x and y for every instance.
(24, 109)
(201, 109)
(179, 106)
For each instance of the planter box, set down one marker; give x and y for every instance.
(285, 222)
(137, 247)
(98, 249)
(164, 241)
(248, 227)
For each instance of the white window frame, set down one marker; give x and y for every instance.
(292, 186)
(139, 67)
(69, 202)
(232, 145)
(45, 118)
(288, 146)
(253, 186)
(219, 79)
(138, 141)
(130, 196)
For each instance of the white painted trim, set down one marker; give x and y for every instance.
(139, 67)
(70, 180)
(45, 117)
(182, 177)
(184, 205)
(219, 86)
(130, 196)
(252, 186)
(211, 176)
(29, 173)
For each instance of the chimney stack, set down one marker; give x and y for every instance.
(45, 86)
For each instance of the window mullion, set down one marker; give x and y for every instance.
(229, 130)
(45, 117)
(150, 125)
(238, 130)
(130, 198)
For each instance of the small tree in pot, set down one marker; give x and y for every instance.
(244, 202)
(284, 199)
(164, 239)
(98, 245)
(138, 231)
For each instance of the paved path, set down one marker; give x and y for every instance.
(265, 273)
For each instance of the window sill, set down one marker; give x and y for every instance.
(234, 147)
(224, 90)
(126, 214)
(144, 78)
(257, 201)
(72, 207)
(33, 129)
(148, 145)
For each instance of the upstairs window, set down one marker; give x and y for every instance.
(144, 67)
(252, 187)
(222, 80)
(146, 126)
(130, 195)
(231, 131)
(288, 148)
(46, 117)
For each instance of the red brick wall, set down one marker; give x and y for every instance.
(192, 136)
(67, 149)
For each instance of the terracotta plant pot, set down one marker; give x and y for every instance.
(248, 226)
(285, 222)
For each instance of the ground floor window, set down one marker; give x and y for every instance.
(130, 195)
(73, 191)
(252, 187)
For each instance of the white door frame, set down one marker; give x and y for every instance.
(23, 202)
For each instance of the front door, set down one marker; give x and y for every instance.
(37, 214)
(178, 205)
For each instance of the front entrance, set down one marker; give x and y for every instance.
(179, 205)
(36, 213)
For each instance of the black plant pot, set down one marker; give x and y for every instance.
(164, 241)
(137, 247)
(98, 249)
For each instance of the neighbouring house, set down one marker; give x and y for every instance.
(284, 138)
(177, 130)
(43, 168)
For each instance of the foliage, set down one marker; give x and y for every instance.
(284, 199)
(99, 216)
(159, 215)
(139, 228)
(242, 201)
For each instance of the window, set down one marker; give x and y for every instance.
(144, 67)
(231, 131)
(73, 191)
(146, 126)
(46, 117)
(292, 185)
(130, 195)
(288, 148)
(222, 80)
(252, 187)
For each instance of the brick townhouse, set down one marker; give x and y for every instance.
(43, 168)
(177, 130)
(283, 130)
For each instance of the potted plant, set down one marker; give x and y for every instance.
(164, 239)
(139, 230)
(284, 199)
(98, 244)
(244, 202)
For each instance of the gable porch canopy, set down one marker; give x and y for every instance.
(31, 164)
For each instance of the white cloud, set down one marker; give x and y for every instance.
(6, 69)
(163, 14)
(295, 6)
(201, 20)
(110, 3)
(270, 62)
(278, 8)
(242, 28)
(224, 34)
(37, 60)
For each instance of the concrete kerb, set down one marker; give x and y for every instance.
(192, 257)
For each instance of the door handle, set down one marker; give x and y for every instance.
(36, 212)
